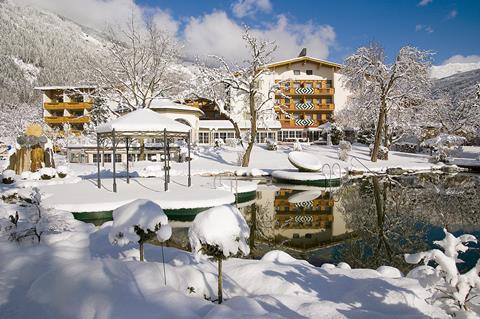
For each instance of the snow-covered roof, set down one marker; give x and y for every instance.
(303, 58)
(65, 87)
(164, 103)
(244, 124)
(143, 120)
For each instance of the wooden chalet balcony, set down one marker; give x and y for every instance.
(67, 119)
(309, 88)
(67, 105)
(298, 123)
(306, 107)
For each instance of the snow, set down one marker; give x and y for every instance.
(142, 213)
(222, 226)
(242, 124)
(9, 174)
(143, 120)
(390, 272)
(443, 71)
(168, 104)
(84, 196)
(304, 161)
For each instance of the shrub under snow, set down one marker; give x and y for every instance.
(344, 148)
(47, 173)
(8, 176)
(451, 289)
(220, 232)
(139, 221)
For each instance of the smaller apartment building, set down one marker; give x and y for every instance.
(67, 105)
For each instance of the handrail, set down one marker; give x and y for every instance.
(375, 173)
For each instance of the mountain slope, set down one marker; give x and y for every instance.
(447, 70)
(39, 48)
(457, 84)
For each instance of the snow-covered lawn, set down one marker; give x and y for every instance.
(79, 274)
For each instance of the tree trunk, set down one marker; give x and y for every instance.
(253, 226)
(378, 134)
(236, 128)
(141, 251)
(142, 150)
(386, 141)
(220, 294)
(253, 135)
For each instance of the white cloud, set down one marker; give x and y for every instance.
(462, 59)
(452, 14)
(423, 3)
(243, 8)
(216, 33)
(422, 27)
(99, 14)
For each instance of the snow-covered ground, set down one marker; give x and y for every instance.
(79, 274)
(75, 272)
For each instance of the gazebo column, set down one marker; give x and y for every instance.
(114, 161)
(168, 161)
(165, 158)
(99, 183)
(189, 138)
(126, 147)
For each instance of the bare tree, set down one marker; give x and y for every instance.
(460, 114)
(140, 65)
(245, 96)
(381, 87)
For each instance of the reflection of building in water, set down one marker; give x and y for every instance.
(299, 219)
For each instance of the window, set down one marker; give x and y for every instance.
(203, 138)
(309, 100)
(152, 157)
(132, 157)
(95, 159)
(296, 85)
(296, 72)
(309, 72)
(118, 158)
(308, 116)
(107, 158)
(329, 84)
(296, 100)
(328, 100)
(309, 85)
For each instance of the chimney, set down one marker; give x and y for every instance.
(303, 52)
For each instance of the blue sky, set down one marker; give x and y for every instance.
(447, 27)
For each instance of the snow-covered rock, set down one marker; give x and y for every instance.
(304, 161)
(389, 272)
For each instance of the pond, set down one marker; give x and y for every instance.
(367, 222)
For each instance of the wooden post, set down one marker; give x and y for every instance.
(114, 162)
(128, 174)
(189, 138)
(165, 157)
(168, 161)
(99, 182)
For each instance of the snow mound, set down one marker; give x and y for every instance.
(222, 226)
(304, 161)
(328, 266)
(278, 256)
(344, 265)
(389, 272)
(152, 171)
(142, 213)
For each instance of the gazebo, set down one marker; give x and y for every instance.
(141, 124)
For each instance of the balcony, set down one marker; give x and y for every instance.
(67, 119)
(307, 107)
(298, 123)
(51, 106)
(310, 88)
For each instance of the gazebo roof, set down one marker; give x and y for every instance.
(142, 121)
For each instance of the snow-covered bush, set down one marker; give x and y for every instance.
(220, 232)
(231, 142)
(218, 142)
(297, 146)
(451, 289)
(62, 171)
(271, 144)
(344, 149)
(47, 173)
(8, 176)
(139, 221)
(336, 134)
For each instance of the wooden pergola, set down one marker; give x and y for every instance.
(139, 125)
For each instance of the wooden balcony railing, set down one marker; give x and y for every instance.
(318, 87)
(67, 119)
(67, 105)
(306, 106)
